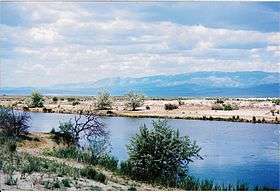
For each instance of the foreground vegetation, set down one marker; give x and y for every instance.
(159, 155)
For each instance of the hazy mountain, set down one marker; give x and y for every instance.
(188, 84)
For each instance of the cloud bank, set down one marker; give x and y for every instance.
(53, 43)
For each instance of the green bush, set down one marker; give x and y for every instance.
(134, 100)
(160, 154)
(66, 182)
(170, 106)
(104, 100)
(100, 177)
(108, 162)
(54, 99)
(276, 101)
(75, 103)
(35, 100)
(89, 172)
(70, 99)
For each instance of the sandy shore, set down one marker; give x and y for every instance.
(264, 111)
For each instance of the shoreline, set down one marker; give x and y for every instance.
(264, 111)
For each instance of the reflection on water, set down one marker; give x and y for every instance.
(232, 151)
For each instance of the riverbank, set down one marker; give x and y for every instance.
(244, 110)
(34, 147)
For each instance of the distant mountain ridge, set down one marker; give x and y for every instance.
(246, 84)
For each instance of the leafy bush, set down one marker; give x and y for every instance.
(254, 120)
(75, 103)
(219, 101)
(170, 106)
(134, 100)
(35, 100)
(276, 101)
(54, 99)
(108, 162)
(89, 172)
(225, 107)
(100, 177)
(104, 100)
(148, 107)
(70, 99)
(160, 154)
(66, 182)
(14, 123)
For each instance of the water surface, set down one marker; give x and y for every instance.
(232, 151)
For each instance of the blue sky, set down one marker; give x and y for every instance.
(51, 43)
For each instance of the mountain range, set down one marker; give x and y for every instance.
(235, 84)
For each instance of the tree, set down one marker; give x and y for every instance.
(160, 154)
(104, 100)
(134, 100)
(14, 123)
(35, 100)
(88, 126)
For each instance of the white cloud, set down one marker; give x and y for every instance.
(70, 43)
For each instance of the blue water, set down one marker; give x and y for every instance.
(232, 151)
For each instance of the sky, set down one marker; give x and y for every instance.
(43, 44)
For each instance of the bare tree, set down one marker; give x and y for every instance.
(14, 123)
(87, 125)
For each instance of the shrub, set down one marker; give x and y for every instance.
(70, 99)
(131, 188)
(14, 123)
(89, 172)
(100, 177)
(134, 100)
(276, 101)
(254, 119)
(54, 99)
(219, 101)
(75, 103)
(126, 168)
(180, 102)
(104, 100)
(35, 100)
(109, 162)
(160, 154)
(66, 182)
(148, 107)
(227, 107)
(170, 106)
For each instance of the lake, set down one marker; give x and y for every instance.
(232, 151)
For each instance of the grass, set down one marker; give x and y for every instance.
(72, 153)
(84, 156)
(12, 161)
(124, 169)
